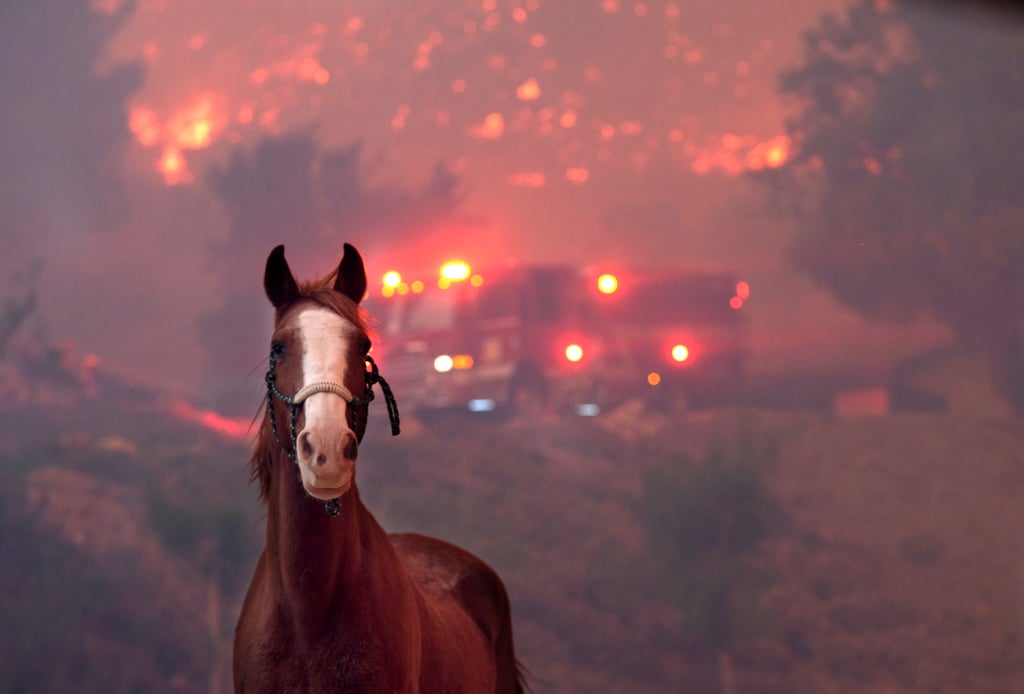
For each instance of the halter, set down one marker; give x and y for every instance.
(359, 406)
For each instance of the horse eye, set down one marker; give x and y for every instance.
(366, 345)
(277, 347)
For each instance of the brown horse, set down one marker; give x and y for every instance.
(336, 604)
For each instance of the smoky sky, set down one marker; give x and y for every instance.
(290, 190)
(63, 127)
(589, 131)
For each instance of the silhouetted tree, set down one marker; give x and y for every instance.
(904, 183)
(18, 303)
(707, 523)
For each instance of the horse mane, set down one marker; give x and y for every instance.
(322, 292)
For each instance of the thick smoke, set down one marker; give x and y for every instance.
(289, 190)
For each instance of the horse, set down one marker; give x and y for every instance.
(335, 603)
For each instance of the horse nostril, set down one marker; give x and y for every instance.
(321, 459)
(305, 446)
(351, 449)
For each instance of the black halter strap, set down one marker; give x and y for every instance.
(360, 408)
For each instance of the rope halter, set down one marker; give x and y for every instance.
(360, 407)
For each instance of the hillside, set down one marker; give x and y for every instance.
(898, 566)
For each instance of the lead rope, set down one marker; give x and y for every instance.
(359, 406)
(373, 376)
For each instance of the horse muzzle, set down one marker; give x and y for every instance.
(327, 459)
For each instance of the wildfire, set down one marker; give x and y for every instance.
(735, 154)
(528, 90)
(528, 179)
(577, 175)
(230, 427)
(770, 154)
(510, 78)
(192, 127)
(172, 165)
(491, 129)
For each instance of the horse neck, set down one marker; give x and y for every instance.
(320, 562)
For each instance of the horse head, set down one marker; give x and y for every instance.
(318, 370)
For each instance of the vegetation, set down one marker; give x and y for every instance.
(707, 523)
(903, 185)
(633, 564)
(74, 622)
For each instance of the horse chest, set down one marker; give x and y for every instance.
(328, 667)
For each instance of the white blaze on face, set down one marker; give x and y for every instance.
(326, 339)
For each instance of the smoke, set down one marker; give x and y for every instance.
(290, 190)
(63, 126)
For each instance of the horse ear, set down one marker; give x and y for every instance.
(351, 275)
(278, 281)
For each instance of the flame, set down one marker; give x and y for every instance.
(770, 154)
(194, 126)
(144, 124)
(401, 116)
(528, 90)
(173, 167)
(528, 179)
(426, 47)
(736, 154)
(577, 175)
(231, 427)
(191, 127)
(491, 129)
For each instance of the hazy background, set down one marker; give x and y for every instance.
(858, 163)
(155, 151)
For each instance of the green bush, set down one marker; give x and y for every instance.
(706, 522)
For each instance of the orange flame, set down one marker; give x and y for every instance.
(491, 129)
(230, 427)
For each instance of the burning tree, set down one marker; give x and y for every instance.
(904, 183)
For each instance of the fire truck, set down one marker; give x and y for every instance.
(538, 337)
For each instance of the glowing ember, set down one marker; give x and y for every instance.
(173, 167)
(270, 78)
(491, 129)
(145, 125)
(531, 179)
(193, 127)
(528, 90)
(401, 115)
(769, 154)
(577, 175)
